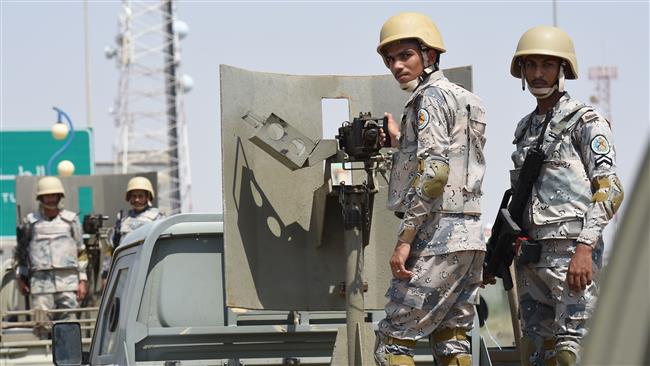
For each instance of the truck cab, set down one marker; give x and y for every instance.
(163, 296)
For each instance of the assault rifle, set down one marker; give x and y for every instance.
(21, 252)
(501, 248)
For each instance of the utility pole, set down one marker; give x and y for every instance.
(89, 119)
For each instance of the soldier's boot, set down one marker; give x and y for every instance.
(549, 347)
(566, 357)
(459, 359)
(385, 347)
(455, 334)
(399, 360)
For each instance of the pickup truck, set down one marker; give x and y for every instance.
(164, 305)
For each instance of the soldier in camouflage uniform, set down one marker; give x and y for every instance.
(435, 187)
(140, 194)
(51, 256)
(575, 196)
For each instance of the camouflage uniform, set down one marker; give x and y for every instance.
(134, 220)
(563, 210)
(57, 261)
(442, 122)
(126, 225)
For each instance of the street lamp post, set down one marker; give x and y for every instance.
(60, 131)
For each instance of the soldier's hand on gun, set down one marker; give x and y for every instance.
(82, 290)
(488, 279)
(393, 130)
(22, 285)
(579, 275)
(398, 260)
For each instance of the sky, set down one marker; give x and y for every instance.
(42, 65)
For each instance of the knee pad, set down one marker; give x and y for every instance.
(565, 357)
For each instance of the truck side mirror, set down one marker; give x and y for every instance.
(66, 344)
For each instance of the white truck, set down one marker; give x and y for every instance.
(164, 305)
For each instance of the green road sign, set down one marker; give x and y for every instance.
(27, 153)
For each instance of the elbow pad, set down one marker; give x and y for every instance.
(609, 191)
(433, 179)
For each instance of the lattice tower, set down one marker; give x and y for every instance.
(149, 109)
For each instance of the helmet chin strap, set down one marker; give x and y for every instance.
(561, 78)
(543, 93)
(410, 86)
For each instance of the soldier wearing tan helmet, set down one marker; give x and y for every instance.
(435, 187)
(50, 253)
(140, 194)
(576, 194)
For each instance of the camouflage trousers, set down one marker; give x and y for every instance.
(439, 297)
(57, 300)
(553, 317)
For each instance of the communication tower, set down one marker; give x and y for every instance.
(603, 75)
(149, 111)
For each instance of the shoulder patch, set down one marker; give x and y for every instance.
(600, 145)
(423, 118)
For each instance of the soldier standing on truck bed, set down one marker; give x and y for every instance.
(435, 187)
(50, 254)
(140, 194)
(576, 194)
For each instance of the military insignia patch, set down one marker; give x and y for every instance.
(600, 145)
(423, 118)
(602, 159)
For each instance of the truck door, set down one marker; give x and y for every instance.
(107, 345)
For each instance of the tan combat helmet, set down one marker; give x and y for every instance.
(410, 25)
(545, 40)
(139, 183)
(49, 185)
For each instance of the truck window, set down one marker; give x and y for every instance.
(112, 313)
(183, 281)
